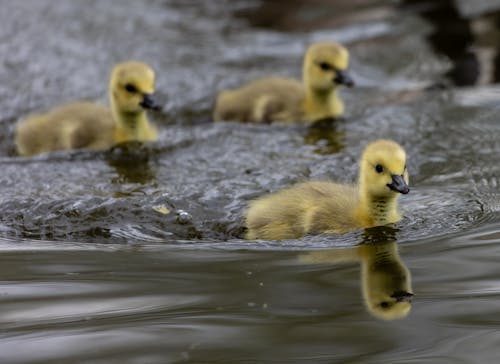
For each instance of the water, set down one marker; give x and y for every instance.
(135, 255)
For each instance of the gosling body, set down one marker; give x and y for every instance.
(326, 207)
(92, 126)
(284, 100)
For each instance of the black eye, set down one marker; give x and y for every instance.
(379, 168)
(325, 66)
(130, 88)
(384, 304)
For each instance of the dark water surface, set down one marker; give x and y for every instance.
(135, 255)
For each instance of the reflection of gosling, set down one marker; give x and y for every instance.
(287, 100)
(385, 280)
(326, 207)
(91, 126)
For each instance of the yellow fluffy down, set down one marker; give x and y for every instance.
(327, 207)
(92, 126)
(284, 100)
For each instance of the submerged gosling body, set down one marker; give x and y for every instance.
(327, 207)
(92, 126)
(286, 100)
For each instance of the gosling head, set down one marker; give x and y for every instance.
(325, 67)
(383, 170)
(132, 85)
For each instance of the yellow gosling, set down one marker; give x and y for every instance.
(92, 126)
(285, 100)
(327, 207)
(385, 279)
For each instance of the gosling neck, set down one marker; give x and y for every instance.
(378, 210)
(130, 126)
(322, 104)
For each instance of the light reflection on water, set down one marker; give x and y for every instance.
(92, 271)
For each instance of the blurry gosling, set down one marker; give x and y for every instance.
(327, 207)
(286, 100)
(92, 126)
(385, 279)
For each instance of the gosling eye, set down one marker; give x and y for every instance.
(131, 88)
(325, 66)
(384, 304)
(379, 168)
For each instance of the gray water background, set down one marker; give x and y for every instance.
(91, 272)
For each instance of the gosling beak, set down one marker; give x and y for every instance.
(148, 102)
(398, 184)
(402, 296)
(343, 78)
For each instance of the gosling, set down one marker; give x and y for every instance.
(286, 100)
(92, 126)
(327, 207)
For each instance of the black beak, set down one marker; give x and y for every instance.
(402, 296)
(398, 184)
(148, 102)
(343, 78)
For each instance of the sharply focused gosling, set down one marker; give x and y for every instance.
(285, 100)
(327, 207)
(385, 279)
(92, 126)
